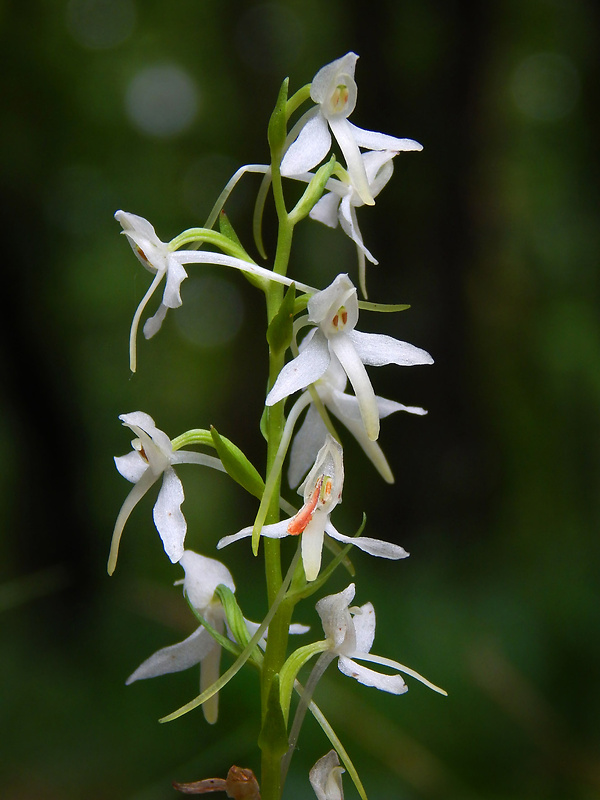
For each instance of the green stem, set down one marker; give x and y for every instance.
(276, 650)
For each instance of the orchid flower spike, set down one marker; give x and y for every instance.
(330, 388)
(342, 199)
(334, 91)
(326, 777)
(151, 458)
(350, 633)
(202, 577)
(322, 491)
(160, 260)
(335, 313)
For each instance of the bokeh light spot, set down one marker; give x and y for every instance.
(162, 100)
(212, 311)
(545, 86)
(101, 24)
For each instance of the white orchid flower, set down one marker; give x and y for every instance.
(335, 312)
(202, 577)
(326, 777)
(164, 260)
(341, 200)
(330, 388)
(322, 492)
(334, 91)
(153, 457)
(350, 633)
(161, 261)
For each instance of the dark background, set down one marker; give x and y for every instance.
(491, 233)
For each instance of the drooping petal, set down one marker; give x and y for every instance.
(374, 547)
(312, 544)
(177, 657)
(326, 210)
(349, 224)
(394, 684)
(379, 168)
(377, 349)
(209, 673)
(154, 323)
(342, 130)
(302, 370)
(373, 140)
(168, 518)
(176, 274)
(309, 149)
(343, 347)
(131, 466)
(131, 501)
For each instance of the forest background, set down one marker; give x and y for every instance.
(491, 234)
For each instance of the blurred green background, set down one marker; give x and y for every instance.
(491, 233)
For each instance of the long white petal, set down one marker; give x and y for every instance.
(168, 517)
(343, 347)
(377, 349)
(189, 457)
(131, 501)
(131, 466)
(373, 140)
(388, 662)
(393, 684)
(342, 130)
(312, 544)
(309, 149)
(176, 274)
(175, 658)
(223, 260)
(275, 531)
(374, 547)
(302, 370)
(154, 323)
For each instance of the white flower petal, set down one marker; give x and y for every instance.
(154, 323)
(326, 777)
(334, 614)
(209, 673)
(372, 140)
(364, 627)
(328, 75)
(342, 130)
(326, 210)
(377, 349)
(168, 518)
(374, 547)
(309, 149)
(176, 274)
(277, 530)
(202, 576)
(343, 347)
(131, 466)
(312, 544)
(177, 657)
(132, 499)
(394, 684)
(302, 370)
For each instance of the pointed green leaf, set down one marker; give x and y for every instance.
(226, 228)
(237, 465)
(235, 620)
(277, 130)
(292, 667)
(313, 192)
(279, 332)
(273, 735)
